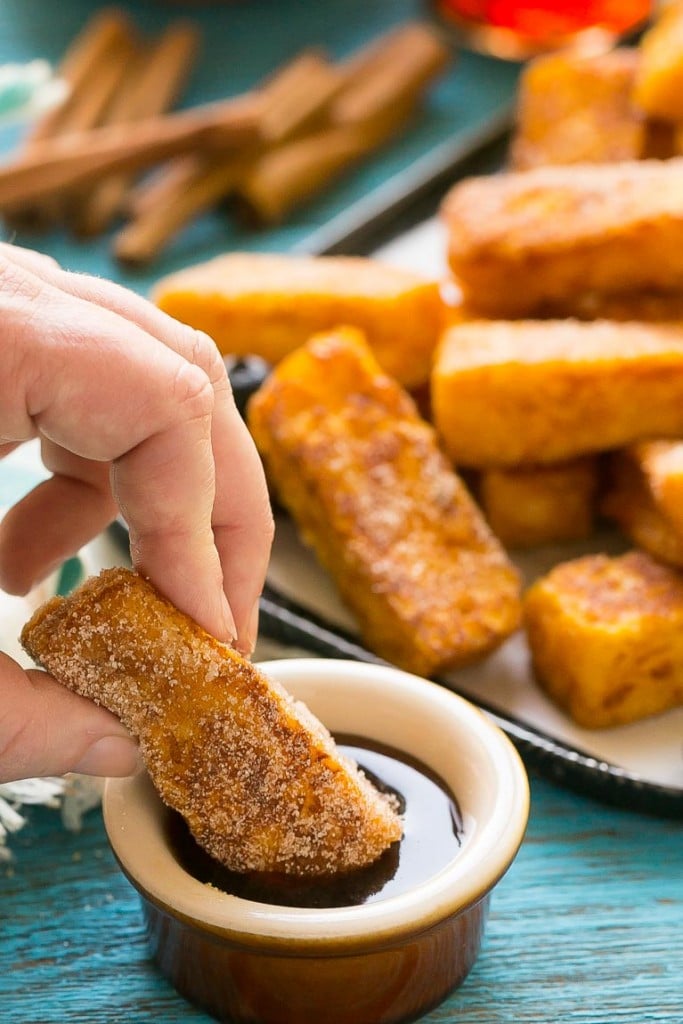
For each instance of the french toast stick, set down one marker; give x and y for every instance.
(520, 241)
(606, 637)
(532, 392)
(364, 480)
(658, 82)
(661, 464)
(267, 304)
(257, 778)
(633, 503)
(643, 307)
(534, 505)
(576, 108)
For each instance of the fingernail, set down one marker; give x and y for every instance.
(112, 755)
(247, 643)
(230, 627)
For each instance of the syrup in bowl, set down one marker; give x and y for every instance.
(432, 838)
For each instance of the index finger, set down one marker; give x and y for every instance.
(165, 487)
(241, 518)
(102, 388)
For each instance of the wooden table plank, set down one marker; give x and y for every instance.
(585, 927)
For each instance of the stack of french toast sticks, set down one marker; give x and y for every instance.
(553, 385)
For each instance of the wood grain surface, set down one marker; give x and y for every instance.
(586, 927)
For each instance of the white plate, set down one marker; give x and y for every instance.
(640, 763)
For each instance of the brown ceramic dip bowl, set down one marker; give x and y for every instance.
(379, 962)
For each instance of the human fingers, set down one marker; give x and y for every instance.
(241, 521)
(105, 390)
(55, 519)
(46, 729)
(37, 262)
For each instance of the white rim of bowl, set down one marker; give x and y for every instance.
(144, 855)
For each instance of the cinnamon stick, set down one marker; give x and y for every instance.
(142, 239)
(56, 164)
(106, 30)
(151, 90)
(273, 147)
(295, 97)
(94, 67)
(383, 84)
(389, 72)
(164, 74)
(298, 96)
(162, 186)
(90, 103)
(292, 173)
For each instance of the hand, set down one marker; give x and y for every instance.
(135, 414)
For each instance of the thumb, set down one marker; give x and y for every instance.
(46, 729)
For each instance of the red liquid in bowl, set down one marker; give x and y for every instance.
(526, 26)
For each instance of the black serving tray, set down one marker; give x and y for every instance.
(291, 624)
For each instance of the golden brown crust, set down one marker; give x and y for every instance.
(519, 241)
(267, 305)
(606, 637)
(661, 463)
(658, 87)
(363, 478)
(257, 778)
(512, 393)
(577, 108)
(631, 500)
(644, 307)
(541, 504)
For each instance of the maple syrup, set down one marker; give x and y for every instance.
(432, 838)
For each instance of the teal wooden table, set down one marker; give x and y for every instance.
(587, 926)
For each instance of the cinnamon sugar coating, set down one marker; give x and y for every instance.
(364, 479)
(257, 778)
